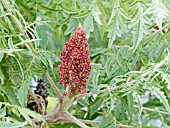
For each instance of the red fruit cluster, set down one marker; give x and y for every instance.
(75, 67)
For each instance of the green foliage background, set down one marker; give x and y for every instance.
(126, 49)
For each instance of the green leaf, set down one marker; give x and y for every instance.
(22, 94)
(146, 121)
(88, 25)
(83, 102)
(2, 112)
(120, 109)
(33, 114)
(115, 23)
(43, 33)
(66, 125)
(49, 8)
(113, 29)
(105, 122)
(2, 77)
(108, 65)
(25, 6)
(95, 106)
(26, 113)
(139, 100)
(10, 92)
(10, 51)
(160, 12)
(46, 60)
(111, 100)
(119, 58)
(85, 13)
(139, 24)
(21, 68)
(156, 40)
(135, 60)
(68, 10)
(127, 90)
(97, 51)
(160, 95)
(159, 54)
(130, 105)
(95, 13)
(12, 125)
(165, 77)
(154, 36)
(72, 26)
(1, 55)
(95, 79)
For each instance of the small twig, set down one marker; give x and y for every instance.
(74, 119)
(93, 93)
(123, 126)
(54, 86)
(64, 120)
(90, 121)
(49, 118)
(153, 110)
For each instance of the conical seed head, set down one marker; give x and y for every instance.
(75, 67)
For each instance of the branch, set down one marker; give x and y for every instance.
(49, 118)
(93, 93)
(153, 110)
(74, 119)
(64, 120)
(54, 86)
(53, 120)
(90, 121)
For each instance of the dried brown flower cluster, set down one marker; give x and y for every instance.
(75, 67)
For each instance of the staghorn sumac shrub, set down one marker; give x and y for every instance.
(120, 78)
